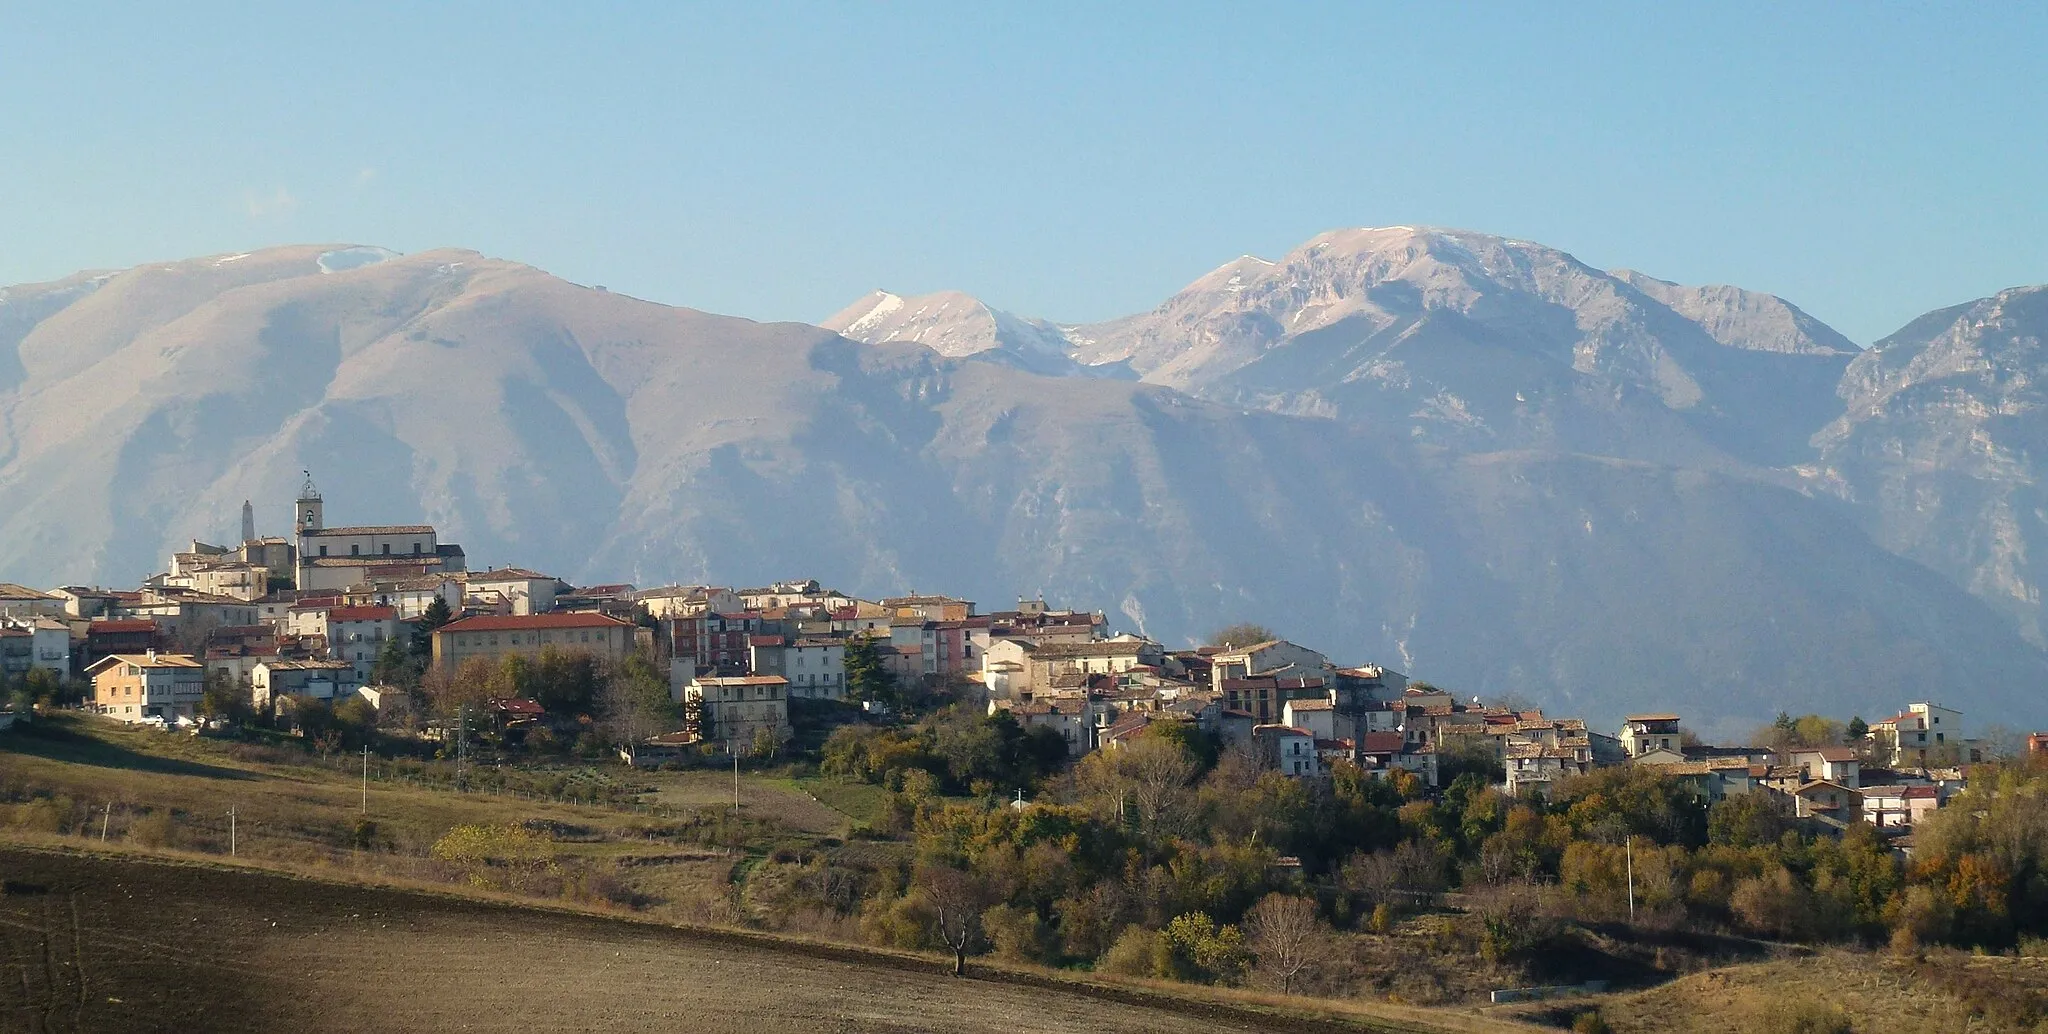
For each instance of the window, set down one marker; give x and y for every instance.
(387, 549)
(323, 550)
(355, 550)
(415, 547)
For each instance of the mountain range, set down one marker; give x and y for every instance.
(1475, 459)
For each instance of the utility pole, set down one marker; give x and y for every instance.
(461, 742)
(366, 780)
(1629, 847)
(231, 831)
(733, 747)
(106, 817)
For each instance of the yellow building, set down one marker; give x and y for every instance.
(140, 687)
(499, 635)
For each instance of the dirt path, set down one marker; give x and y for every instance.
(91, 943)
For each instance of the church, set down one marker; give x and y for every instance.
(346, 557)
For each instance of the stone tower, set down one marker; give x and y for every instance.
(248, 522)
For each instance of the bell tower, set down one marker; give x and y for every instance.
(308, 514)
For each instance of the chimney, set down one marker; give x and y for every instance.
(152, 655)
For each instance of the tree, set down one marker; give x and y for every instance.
(225, 697)
(957, 899)
(1286, 936)
(1202, 950)
(1858, 729)
(867, 678)
(635, 704)
(1241, 634)
(469, 686)
(1151, 773)
(436, 615)
(1746, 820)
(398, 665)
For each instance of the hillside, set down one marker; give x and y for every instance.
(1622, 545)
(134, 945)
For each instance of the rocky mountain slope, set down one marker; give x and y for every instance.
(1942, 445)
(1577, 559)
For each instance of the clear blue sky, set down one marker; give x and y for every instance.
(1868, 161)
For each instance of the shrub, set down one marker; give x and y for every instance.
(43, 815)
(1015, 933)
(1810, 1017)
(1136, 953)
(153, 830)
(1590, 1023)
(1382, 918)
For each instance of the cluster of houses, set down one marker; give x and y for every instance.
(310, 616)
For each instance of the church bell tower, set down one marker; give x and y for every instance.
(309, 514)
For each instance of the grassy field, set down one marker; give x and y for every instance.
(665, 843)
(1831, 992)
(106, 943)
(664, 848)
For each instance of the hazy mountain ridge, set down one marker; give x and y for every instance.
(599, 436)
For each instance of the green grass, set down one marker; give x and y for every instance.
(665, 836)
(861, 802)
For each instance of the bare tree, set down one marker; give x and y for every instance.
(1242, 634)
(1286, 936)
(634, 707)
(957, 899)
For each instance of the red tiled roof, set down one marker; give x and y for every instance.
(363, 614)
(516, 705)
(533, 622)
(764, 640)
(114, 627)
(1381, 743)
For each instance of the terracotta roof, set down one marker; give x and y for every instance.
(1311, 705)
(391, 560)
(509, 574)
(372, 529)
(109, 626)
(515, 705)
(162, 660)
(532, 622)
(764, 640)
(743, 680)
(1833, 754)
(1063, 651)
(1382, 743)
(1650, 718)
(363, 614)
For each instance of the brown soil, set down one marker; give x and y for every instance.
(99, 943)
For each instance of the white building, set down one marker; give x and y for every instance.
(815, 668)
(524, 592)
(31, 643)
(734, 709)
(20, 601)
(1274, 658)
(322, 680)
(1923, 735)
(346, 557)
(1291, 751)
(358, 634)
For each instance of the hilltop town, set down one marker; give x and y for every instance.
(1029, 782)
(386, 624)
